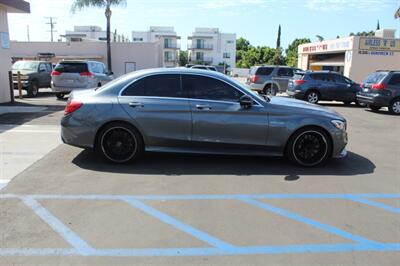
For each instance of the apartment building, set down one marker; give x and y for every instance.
(91, 33)
(208, 46)
(167, 39)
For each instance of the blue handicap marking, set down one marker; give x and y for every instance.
(218, 247)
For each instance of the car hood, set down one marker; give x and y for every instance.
(306, 107)
(23, 72)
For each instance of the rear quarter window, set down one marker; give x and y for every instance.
(71, 67)
(395, 80)
(265, 71)
(375, 77)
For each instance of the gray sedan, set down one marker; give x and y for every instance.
(197, 111)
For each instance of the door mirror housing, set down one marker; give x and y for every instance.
(110, 73)
(246, 102)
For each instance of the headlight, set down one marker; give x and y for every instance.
(339, 124)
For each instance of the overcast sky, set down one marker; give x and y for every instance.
(255, 20)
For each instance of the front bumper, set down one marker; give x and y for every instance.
(24, 83)
(340, 140)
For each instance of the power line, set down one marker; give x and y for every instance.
(51, 22)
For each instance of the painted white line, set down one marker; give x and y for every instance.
(29, 131)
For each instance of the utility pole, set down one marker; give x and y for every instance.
(51, 23)
(27, 33)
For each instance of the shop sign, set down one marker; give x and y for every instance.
(378, 44)
(315, 48)
(381, 53)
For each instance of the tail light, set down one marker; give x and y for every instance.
(362, 85)
(86, 74)
(55, 73)
(254, 79)
(72, 106)
(299, 81)
(378, 86)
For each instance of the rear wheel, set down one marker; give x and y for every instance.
(60, 96)
(374, 108)
(347, 103)
(312, 97)
(270, 90)
(33, 89)
(309, 147)
(120, 143)
(394, 107)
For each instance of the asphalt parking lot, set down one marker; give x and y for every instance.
(72, 208)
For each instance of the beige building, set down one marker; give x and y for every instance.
(126, 57)
(7, 6)
(354, 56)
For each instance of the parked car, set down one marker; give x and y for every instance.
(270, 80)
(313, 86)
(78, 75)
(213, 68)
(196, 111)
(381, 89)
(34, 75)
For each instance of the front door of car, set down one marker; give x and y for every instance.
(345, 89)
(218, 119)
(43, 75)
(158, 108)
(282, 77)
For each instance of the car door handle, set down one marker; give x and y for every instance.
(203, 107)
(136, 104)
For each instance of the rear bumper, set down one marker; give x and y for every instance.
(295, 94)
(376, 100)
(76, 133)
(58, 89)
(256, 87)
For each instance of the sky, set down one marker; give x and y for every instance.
(255, 20)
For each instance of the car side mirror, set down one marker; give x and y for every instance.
(110, 73)
(246, 102)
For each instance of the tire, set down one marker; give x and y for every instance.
(309, 147)
(347, 103)
(119, 143)
(270, 90)
(394, 107)
(360, 104)
(33, 89)
(374, 108)
(312, 97)
(60, 96)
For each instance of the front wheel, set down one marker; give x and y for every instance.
(394, 107)
(312, 97)
(120, 143)
(270, 90)
(309, 147)
(33, 89)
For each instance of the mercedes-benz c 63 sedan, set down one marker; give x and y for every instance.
(198, 111)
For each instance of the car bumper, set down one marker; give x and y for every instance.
(373, 99)
(74, 133)
(256, 87)
(340, 140)
(295, 94)
(58, 89)
(24, 84)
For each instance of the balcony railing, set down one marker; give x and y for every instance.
(201, 46)
(171, 46)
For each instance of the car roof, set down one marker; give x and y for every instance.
(79, 61)
(33, 61)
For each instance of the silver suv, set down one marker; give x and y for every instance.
(78, 74)
(270, 80)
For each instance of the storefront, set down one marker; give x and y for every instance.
(7, 6)
(354, 57)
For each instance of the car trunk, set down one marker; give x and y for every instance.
(71, 75)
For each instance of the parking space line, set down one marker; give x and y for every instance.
(64, 231)
(179, 225)
(373, 203)
(308, 221)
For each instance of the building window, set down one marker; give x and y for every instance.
(138, 39)
(227, 55)
(168, 56)
(167, 43)
(199, 56)
(229, 41)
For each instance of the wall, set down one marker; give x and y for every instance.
(145, 55)
(5, 59)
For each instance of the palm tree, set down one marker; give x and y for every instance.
(80, 4)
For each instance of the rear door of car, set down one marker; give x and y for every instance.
(218, 120)
(344, 91)
(282, 77)
(42, 75)
(158, 106)
(71, 75)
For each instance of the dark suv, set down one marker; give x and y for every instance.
(381, 89)
(323, 85)
(34, 75)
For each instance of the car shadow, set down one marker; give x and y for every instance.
(190, 164)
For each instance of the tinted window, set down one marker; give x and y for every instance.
(395, 80)
(157, 85)
(375, 77)
(97, 68)
(264, 71)
(42, 67)
(317, 76)
(287, 72)
(341, 79)
(49, 67)
(71, 67)
(200, 87)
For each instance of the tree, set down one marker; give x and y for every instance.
(183, 58)
(378, 27)
(278, 58)
(363, 33)
(242, 44)
(292, 53)
(80, 4)
(278, 40)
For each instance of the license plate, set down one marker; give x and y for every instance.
(68, 81)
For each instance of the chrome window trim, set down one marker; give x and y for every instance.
(195, 99)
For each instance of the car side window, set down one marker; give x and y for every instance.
(395, 80)
(200, 87)
(167, 85)
(42, 68)
(285, 72)
(341, 79)
(49, 67)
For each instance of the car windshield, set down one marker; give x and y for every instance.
(375, 77)
(248, 90)
(25, 65)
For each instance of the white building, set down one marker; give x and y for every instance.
(7, 6)
(210, 47)
(91, 33)
(355, 56)
(168, 40)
